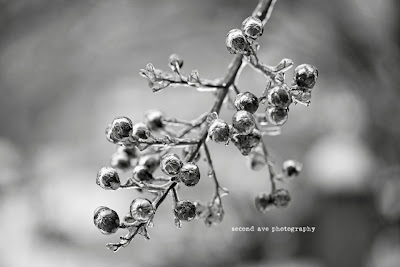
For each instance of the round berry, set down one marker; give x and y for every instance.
(151, 162)
(219, 131)
(175, 60)
(245, 142)
(185, 210)
(141, 173)
(236, 42)
(279, 96)
(140, 130)
(142, 209)
(107, 178)
(154, 120)
(189, 174)
(264, 202)
(246, 101)
(106, 220)
(120, 161)
(281, 197)
(130, 151)
(171, 164)
(276, 115)
(119, 130)
(188, 149)
(256, 161)
(291, 168)
(244, 122)
(252, 27)
(305, 76)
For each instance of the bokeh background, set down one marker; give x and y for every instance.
(67, 68)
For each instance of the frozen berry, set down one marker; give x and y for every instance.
(256, 161)
(106, 220)
(279, 96)
(120, 161)
(264, 202)
(291, 168)
(154, 120)
(140, 130)
(141, 173)
(151, 162)
(107, 178)
(252, 27)
(305, 76)
(281, 197)
(246, 101)
(174, 61)
(188, 149)
(244, 122)
(189, 174)
(276, 115)
(236, 42)
(142, 209)
(245, 142)
(219, 131)
(132, 152)
(119, 130)
(171, 164)
(185, 210)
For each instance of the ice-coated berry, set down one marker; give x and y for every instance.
(252, 27)
(189, 174)
(154, 119)
(132, 152)
(256, 161)
(106, 220)
(246, 101)
(279, 96)
(174, 61)
(171, 164)
(219, 131)
(142, 173)
(120, 161)
(185, 210)
(236, 42)
(142, 209)
(264, 202)
(276, 115)
(140, 130)
(291, 168)
(245, 142)
(305, 76)
(151, 162)
(281, 198)
(107, 178)
(119, 130)
(244, 122)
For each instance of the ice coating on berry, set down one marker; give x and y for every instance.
(306, 76)
(291, 168)
(189, 174)
(236, 42)
(256, 161)
(279, 96)
(120, 161)
(140, 130)
(281, 198)
(245, 142)
(264, 202)
(151, 162)
(142, 173)
(106, 220)
(276, 115)
(174, 61)
(219, 131)
(252, 27)
(108, 178)
(246, 101)
(244, 122)
(154, 119)
(171, 164)
(142, 209)
(185, 210)
(119, 129)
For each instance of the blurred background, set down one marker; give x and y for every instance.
(67, 68)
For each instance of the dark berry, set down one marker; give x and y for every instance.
(305, 76)
(219, 131)
(276, 115)
(119, 130)
(246, 101)
(142, 173)
(140, 130)
(142, 209)
(106, 220)
(256, 161)
(132, 152)
(189, 174)
(185, 210)
(174, 61)
(264, 202)
(236, 42)
(279, 96)
(245, 142)
(281, 198)
(291, 168)
(120, 161)
(243, 121)
(107, 178)
(252, 27)
(171, 164)
(154, 120)
(151, 162)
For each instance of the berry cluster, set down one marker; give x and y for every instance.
(145, 147)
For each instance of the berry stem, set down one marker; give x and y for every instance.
(212, 172)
